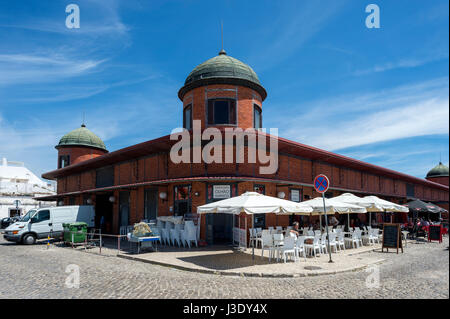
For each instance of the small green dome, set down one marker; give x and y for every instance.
(81, 137)
(438, 171)
(222, 69)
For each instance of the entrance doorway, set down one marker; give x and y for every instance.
(124, 208)
(150, 204)
(219, 229)
(104, 210)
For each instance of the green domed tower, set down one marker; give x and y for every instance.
(439, 174)
(222, 91)
(79, 145)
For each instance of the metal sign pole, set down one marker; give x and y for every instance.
(326, 226)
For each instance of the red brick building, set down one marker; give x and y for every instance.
(142, 182)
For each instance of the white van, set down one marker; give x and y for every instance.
(41, 223)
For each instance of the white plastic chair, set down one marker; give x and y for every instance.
(300, 247)
(359, 236)
(352, 241)
(310, 233)
(175, 237)
(288, 249)
(315, 246)
(157, 232)
(333, 242)
(340, 240)
(267, 243)
(323, 243)
(189, 235)
(165, 236)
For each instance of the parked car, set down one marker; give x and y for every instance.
(48, 221)
(5, 222)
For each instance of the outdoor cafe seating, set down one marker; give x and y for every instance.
(280, 243)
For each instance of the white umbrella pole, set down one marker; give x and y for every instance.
(246, 230)
(253, 241)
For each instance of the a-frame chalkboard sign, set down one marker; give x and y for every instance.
(435, 233)
(392, 237)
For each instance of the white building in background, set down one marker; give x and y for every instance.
(18, 187)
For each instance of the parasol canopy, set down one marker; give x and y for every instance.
(254, 203)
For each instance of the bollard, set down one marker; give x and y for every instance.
(100, 233)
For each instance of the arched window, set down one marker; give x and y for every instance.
(257, 117)
(187, 117)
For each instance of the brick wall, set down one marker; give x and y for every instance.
(246, 97)
(79, 154)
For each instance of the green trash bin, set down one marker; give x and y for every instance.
(79, 231)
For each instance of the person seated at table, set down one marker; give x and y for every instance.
(296, 229)
(316, 225)
(333, 221)
(374, 223)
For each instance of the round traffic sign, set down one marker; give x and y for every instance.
(321, 183)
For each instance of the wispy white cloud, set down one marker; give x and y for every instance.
(294, 26)
(97, 18)
(76, 91)
(403, 63)
(360, 119)
(26, 68)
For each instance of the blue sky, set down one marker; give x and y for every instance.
(379, 95)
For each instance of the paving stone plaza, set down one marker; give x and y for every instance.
(422, 271)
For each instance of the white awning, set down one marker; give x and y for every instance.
(369, 204)
(254, 203)
(386, 205)
(333, 206)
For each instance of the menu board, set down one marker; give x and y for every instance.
(392, 237)
(435, 233)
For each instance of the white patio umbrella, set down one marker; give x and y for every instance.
(332, 206)
(369, 204)
(254, 203)
(387, 206)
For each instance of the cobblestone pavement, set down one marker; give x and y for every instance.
(35, 272)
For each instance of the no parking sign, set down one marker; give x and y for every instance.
(321, 183)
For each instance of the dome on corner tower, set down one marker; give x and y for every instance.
(439, 171)
(81, 137)
(222, 69)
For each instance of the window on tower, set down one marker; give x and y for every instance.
(222, 111)
(257, 117)
(187, 117)
(64, 160)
